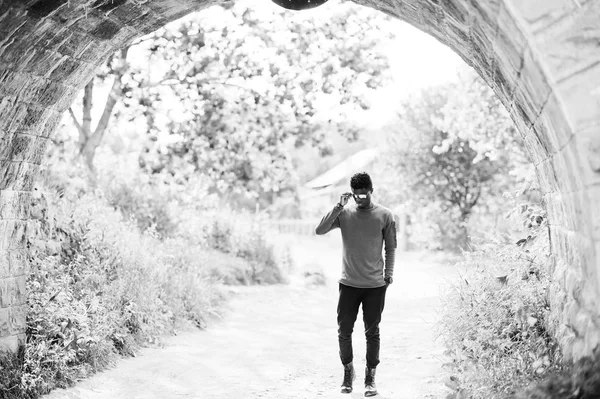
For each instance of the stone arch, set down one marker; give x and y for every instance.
(541, 58)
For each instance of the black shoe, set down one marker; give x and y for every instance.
(349, 376)
(370, 388)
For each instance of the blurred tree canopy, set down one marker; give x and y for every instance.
(455, 147)
(229, 89)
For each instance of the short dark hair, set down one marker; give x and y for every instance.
(361, 180)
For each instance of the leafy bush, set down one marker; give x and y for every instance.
(495, 321)
(143, 202)
(242, 235)
(99, 288)
(580, 381)
(10, 374)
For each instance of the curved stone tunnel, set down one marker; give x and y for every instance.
(541, 57)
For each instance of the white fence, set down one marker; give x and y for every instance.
(292, 226)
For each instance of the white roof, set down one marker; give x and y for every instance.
(345, 169)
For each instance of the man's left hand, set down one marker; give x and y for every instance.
(388, 280)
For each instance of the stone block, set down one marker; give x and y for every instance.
(587, 144)
(457, 13)
(510, 42)
(557, 211)
(15, 234)
(592, 338)
(547, 176)
(12, 342)
(50, 94)
(503, 82)
(17, 317)
(11, 20)
(105, 30)
(596, 261)
(580, 97)
(566, 343)
(568, 170)
(536, 149)
(4, 323)
(82, 74)
(20, 86)
(64, 69)
(67, 98)
(17, 175)
(5, 271)
(565, 246)
(12, 292)
(533, 79)
(23, 147)
(172, 10)
(481, 44)
(12, 113)
(14, 204)
(74, 43)
(570, 45)
(578, 348)
(594, 213)
(524, 106)
(573, 287)
(19, 262)
(42, 61)
(33, 120)
(131, 15)
(18, 148)
(539, 14)
(37, 150)
(13, 263)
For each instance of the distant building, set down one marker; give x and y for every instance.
(328, 186)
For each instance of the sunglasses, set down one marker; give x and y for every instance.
(361, 196)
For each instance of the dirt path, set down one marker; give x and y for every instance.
(280, 342)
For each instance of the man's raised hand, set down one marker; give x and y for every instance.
(344, 198)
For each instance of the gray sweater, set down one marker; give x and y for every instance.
(364, 232)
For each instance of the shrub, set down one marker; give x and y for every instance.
(241, 235)
(495, 321)
(143, 202)
(99, 288)
(580, 381)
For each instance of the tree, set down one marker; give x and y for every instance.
(455, 145)
(236, 86)
(89, 139)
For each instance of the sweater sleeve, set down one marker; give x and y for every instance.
(389, 237)
(329, 221)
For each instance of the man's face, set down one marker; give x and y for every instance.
(362, 196)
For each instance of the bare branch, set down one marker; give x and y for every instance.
(87, 109)
(114, 94)
(75, 121)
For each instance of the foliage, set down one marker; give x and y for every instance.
(10, 374)
(248, 83)
(579, 381)
(456, 147)
(242, 235)
(99, 288)
(495, 322)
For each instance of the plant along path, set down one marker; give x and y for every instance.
(280, 342)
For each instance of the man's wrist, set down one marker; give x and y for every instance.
(338, 205)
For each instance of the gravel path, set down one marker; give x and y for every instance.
(280, 342)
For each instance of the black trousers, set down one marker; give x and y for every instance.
(373, 301)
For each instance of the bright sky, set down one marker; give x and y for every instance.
(417, 61)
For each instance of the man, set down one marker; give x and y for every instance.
(365, 275)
